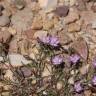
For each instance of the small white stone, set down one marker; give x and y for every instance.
(9, 75)
(71, 80)
(84, 69)
(72, 2)
(47, 70)
(4, 20)
(94, 24)
(72, 72)
(18, 60)
(40, 34)
(59, 85)
(1, 58)
(48, 5)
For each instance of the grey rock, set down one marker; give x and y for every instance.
(7, 12)
(19, 4)
(4, 20)
(22, 20)
(26, 71)
(62, 11)
(48, 5)
(18, 60)
(94, 24)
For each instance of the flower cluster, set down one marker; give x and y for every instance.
(74, 59)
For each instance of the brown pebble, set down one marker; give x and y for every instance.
(93, 8)
(73, 27)
(26, 71)
(62, 11)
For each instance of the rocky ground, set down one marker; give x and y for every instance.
(47, 47)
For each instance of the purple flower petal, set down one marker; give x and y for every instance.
(94, 80)
(54, 41)
(74, 58)
(57, 60)
(77, 86)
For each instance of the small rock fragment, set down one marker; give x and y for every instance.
(26, 71)
(87, 93)
(47, 70)
(30, 34)
(18, 60)
(62, 11)
(81, 5)
(9, 75)
(94, 24)
(72, 2)
(40, 34)
(12, 30)
(22, 20)
(72, 16)
(64, 38)
(88, 17)
(48, 24)
(84, 69)
(59, 85)
(1, 58)
(81, 47)
(37, 23)
(94, 7)
(33, 54)
(6, 94)
(48, 5)
(5, 36)
(71, 80)
(34, 81)
(73, 27)
(7, 12)
(13, 46)
(4, 20)
(19, 4)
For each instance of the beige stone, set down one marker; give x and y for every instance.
(12, 30)
(47, 70)
(48, 5)
(40, 34)
(9, 75)
(73, 27)
(72, 16)
(84, 69)
(72, 2)
(59, 85)
(37, 23)
(48, 24)
(71, 80)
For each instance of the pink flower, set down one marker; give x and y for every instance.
(54, 41)
(77, 87)
(50, 40)
(57, 60)
(94, 80)
(74, 58)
